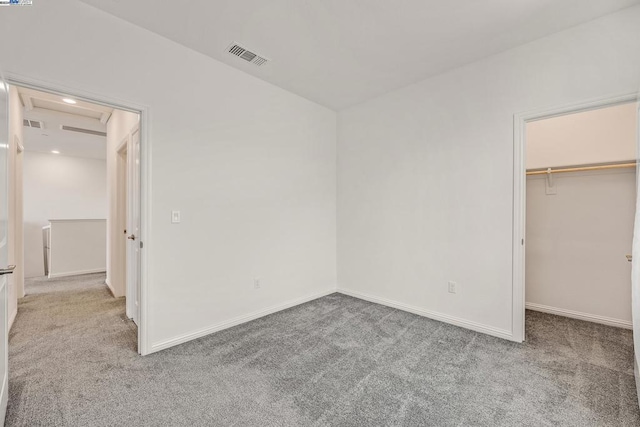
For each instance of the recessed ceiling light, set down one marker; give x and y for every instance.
(69, 100)
(55, 151)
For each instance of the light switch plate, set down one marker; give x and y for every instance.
(175, 217)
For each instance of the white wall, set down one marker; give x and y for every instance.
(14, 232)
(576, 245)
(59, 187)
(425, 173)
(119, 127)
(251, 167)
(77, 246)
(597, 136)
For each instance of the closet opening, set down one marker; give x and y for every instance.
(577, 220)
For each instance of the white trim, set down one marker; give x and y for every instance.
(4, 394)
(519, 194)
(12, 317)
(145, 178)
(636, 373)
(108, 283)
(452, 320)
(76, 273)
(609, 321)
(237, 321)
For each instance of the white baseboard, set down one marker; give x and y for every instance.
(12, 317)
(609, 321)
(236, 321)
(76, 273)
(456, 321)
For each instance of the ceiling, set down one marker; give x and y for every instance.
(343, 52)
(51, 113)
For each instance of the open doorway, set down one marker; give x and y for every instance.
(69, 210)
(574, 213)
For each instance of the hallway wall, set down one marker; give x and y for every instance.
(119, 127)
(58, 187)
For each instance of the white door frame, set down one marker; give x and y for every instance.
(122, 219)
(520, 193)
(145, 179)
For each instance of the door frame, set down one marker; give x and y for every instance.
(145, 179)
(520, 121)
(122, 215)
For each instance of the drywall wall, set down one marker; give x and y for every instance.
(251, 167)
(604, 135)
(119, 129)
(77, 246)
(577, 240)
(15, 208)
(425, 173)
(58, 187)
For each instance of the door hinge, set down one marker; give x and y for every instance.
(141, 245)
(522, 242)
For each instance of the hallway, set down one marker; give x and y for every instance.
(68, 330)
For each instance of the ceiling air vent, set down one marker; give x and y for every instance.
(241, 52)
(81, 130)
(33, 124)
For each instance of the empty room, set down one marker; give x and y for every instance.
(336, 213)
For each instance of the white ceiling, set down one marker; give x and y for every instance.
(343, 52)
(53, 113)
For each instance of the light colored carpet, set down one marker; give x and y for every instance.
(336, 361)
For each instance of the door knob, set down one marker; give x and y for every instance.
(8, 270)
(132, 237)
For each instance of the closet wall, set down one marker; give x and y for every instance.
(578, 237)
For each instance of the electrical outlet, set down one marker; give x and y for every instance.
(256, 283)
(453, 287)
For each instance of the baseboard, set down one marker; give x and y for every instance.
(236, 321)
(609, 321)
(445, 318)
(113, 294)
(76, 273)
(12, 317)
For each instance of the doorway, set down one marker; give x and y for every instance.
(123, 276)
(574, 206)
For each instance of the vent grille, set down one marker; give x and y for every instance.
(239, 51)
(81, 130)
(33, 124)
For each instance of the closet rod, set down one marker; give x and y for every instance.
(583, 168)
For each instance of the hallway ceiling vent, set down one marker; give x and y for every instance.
(81, 130)
(33, 124)
(239, 51)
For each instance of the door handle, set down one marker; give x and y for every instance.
(8, 270)
(132, 237)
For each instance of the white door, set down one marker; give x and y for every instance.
(4, 252)
(133, 224)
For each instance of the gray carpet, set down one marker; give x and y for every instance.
(336, 361)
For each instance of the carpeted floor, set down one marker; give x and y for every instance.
(336, 361)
